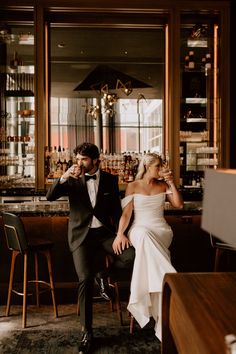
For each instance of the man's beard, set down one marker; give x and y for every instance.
(89, 168)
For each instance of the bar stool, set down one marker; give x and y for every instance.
(116, 306)
(115, 303)
(220, 249)
(18, 244)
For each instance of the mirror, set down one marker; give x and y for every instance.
(107, 87)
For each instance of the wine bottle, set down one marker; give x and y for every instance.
(15, 61)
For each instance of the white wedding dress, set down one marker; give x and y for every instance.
(151, 236)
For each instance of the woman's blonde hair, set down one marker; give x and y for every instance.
(145, 162)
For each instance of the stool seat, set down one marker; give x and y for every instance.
(40, 245)
(20, 245)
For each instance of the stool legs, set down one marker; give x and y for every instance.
(13, 261)
(47, 254)
(25, 290)
(131, 324)
(218, 255)
(118, 303)
(36, 267)
(78, 308)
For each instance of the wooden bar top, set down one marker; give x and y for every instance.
(199, 310)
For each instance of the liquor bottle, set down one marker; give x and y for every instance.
(16, 61)
(59, 152)
(64, 166)
(54, 159)
(102, 160)
(191, 64)
(47, 161)
(131, 175)
(63, 154)
(198, 181)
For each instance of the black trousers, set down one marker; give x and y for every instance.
(89, 260)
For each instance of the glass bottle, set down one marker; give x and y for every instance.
(203, 64)
(208, 61)
(186, 59)
(191, 64)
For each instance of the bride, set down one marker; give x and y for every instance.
(150, 235)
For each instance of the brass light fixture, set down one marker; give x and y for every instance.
(109, 100)
(198, 31)
(110, 84)
(125, 88)
(92, 110)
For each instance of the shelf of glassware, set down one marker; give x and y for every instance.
(199, 156)
(207, 156)
(17, 148)
(17, 169)
(190, 143)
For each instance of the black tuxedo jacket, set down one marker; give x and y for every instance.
(107, 208)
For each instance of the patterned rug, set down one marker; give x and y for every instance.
(110, 340)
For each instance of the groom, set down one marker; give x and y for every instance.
(95, 210)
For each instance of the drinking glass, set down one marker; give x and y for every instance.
(165, 169)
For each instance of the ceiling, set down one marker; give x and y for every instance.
(76, 52)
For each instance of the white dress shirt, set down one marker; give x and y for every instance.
(92, 186)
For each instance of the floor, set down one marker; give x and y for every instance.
(43, 317)
(48, 335)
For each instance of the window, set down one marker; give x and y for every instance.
(107, 87)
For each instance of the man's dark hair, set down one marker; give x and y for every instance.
(87, 149)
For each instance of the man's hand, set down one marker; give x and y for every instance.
(120, 243)
(74, 171)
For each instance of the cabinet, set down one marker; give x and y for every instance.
(199, 115)
(17, 124)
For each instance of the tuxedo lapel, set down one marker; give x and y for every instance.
(83, 188)
(100, 187)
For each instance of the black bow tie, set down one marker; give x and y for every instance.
(87, 177)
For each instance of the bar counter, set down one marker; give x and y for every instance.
(61, 208)
(190, 250)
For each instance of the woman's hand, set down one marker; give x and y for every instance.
(120, 243)
(168, 177)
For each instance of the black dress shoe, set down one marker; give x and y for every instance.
(104, 289)
(86, 343)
